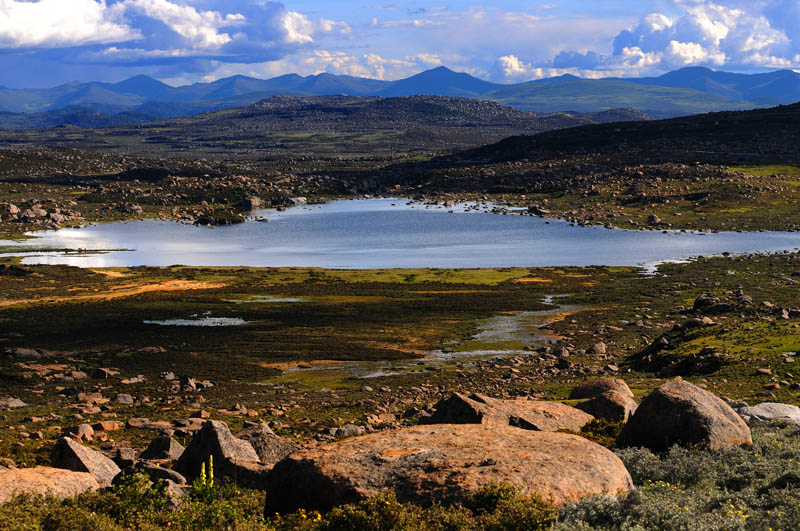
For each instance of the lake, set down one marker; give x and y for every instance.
(384, 233)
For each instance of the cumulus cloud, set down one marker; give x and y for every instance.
(55, 23)
(161, 32)
(732, 34)
(201, 29)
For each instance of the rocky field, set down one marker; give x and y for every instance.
(328, 404)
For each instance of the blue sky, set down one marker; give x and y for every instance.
(47, 42)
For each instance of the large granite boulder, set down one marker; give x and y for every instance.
(522, 413)
(46, 481)
(598, 386)
(609, 405)
(163, 449)
(72, 455)
(234, 458)
(269, 447)
(769, 412)
(679, 412)
(443, 463)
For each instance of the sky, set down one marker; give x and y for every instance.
(44, 43)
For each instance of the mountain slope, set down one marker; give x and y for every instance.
(780, 87)
(440, 81)
(683, 92)
(568, 93)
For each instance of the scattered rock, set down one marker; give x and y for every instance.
(71, 455)
(679, 412)
(104, 374)
(443, 463)
(124, 399)
(348, 430)
(12, 403)
(81, 432)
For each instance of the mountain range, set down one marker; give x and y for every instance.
(682, 92)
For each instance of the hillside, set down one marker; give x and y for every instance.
(771, 133)
(330, 125)
(721, 171)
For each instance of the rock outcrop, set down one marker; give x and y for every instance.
(679, 412)
(46, 481)
(527, 414)
(444, 463)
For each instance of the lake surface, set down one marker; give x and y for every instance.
(385, 233)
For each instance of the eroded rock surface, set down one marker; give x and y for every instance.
(598, 386)
(72, 455)
(522, 413)
(45, 481)
(443, 463)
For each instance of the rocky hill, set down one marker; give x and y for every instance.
(759, 133)
(327, 125)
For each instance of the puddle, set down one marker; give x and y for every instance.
(205, 321)
(265, 299)
(524, 328)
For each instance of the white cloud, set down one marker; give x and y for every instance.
(200, 28)
(58, 23)
(733, 34)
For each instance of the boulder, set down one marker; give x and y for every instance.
(679, 412)
(609, 405)
(163, 448)
(233, 458)
(770, 411)
(152, 471)
(348, 430)
(81, 432)
(45, 481)
(12, 403)
(269, 447)
(522, 413)
(124, 399)
(124, 457)
(71, 455)
(444, 463)
(598, 386)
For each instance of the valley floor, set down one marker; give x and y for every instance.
(302, 340)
